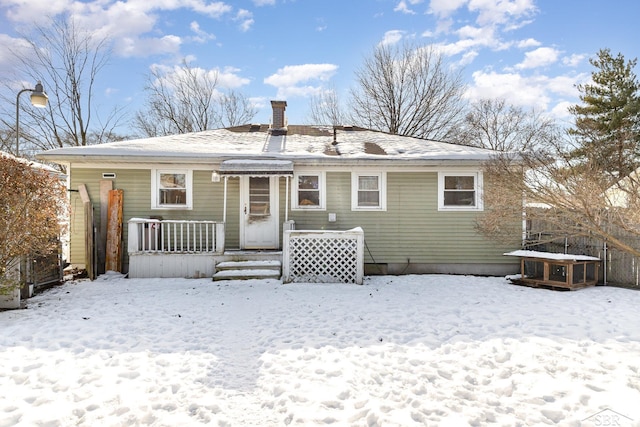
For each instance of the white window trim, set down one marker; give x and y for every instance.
(382, 180)
(322, 179)
(155, 177)
(478, 182)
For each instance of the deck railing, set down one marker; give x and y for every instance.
(174, 236)
(321, 256)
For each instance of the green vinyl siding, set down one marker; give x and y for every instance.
(136, 185)
(411, 228)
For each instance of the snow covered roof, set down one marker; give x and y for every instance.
(550, 255)
(258, 141)
(30, 163)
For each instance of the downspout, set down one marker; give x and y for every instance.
(286, 199)
(224, 205)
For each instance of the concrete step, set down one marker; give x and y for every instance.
(249, 265)
(240, 265)
(245, 274)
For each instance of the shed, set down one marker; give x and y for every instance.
(564, 271)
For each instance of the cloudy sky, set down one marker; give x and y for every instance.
(531, 52)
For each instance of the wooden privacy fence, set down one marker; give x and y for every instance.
(323, 256)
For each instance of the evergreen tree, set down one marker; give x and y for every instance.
(607, 124)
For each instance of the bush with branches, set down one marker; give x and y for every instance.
(33, 205)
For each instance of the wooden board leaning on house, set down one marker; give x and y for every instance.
(114, 231)
(89, 236)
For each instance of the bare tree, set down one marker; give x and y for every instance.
(408, 90)
(562, 198)
(496, 125)
(32, 201)
(67, 59)
(236, 109)
(325, 109)
(188, 99)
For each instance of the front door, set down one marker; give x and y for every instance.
(259, 213)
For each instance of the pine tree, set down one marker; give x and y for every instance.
(607, 124)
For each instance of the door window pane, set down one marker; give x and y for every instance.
(259, 197)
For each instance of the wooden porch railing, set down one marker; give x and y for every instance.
(175, 236)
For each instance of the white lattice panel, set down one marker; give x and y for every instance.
(323, 256)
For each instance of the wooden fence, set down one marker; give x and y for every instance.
(618, 267)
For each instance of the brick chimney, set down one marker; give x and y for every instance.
(278, 114)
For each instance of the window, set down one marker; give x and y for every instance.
(171, 189)
(460, 191)
(368, 191)
(309, 191)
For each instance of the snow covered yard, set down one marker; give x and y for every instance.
(398, 351)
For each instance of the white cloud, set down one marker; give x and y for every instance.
(8, 45)
(539, 58)
(506, 12)
(125, 22)
(246, 19)
(230, 78)
(293, 80)
(291, 75)
(573, 60)
(544, 93)
(467, 58)
(201, 35)
(513, 87)
(142, 47)
(444, 8)
(227, 78)
(561, 110)
(392, 37)
(403, 7)
(524, 44)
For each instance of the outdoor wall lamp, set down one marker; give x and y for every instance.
(39, 99)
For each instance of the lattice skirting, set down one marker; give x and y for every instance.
(323, 256)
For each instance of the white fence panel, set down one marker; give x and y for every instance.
(323, 256)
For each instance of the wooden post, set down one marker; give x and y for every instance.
(106, 185)
(89, 244)
(114, 232)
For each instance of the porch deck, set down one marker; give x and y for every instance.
(160, 248)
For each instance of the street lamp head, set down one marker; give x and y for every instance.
(38, 97)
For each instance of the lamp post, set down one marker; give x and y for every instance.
(38, 99)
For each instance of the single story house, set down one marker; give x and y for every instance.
(244, 187)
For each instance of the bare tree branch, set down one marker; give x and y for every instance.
(68, 60)
(493, 124)
(408, 90)
(188, 99)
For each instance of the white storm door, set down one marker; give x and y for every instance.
(259, 212)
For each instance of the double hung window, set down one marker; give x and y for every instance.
(368, 191)
(460, 191)
(171, 189)
(309, 190)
